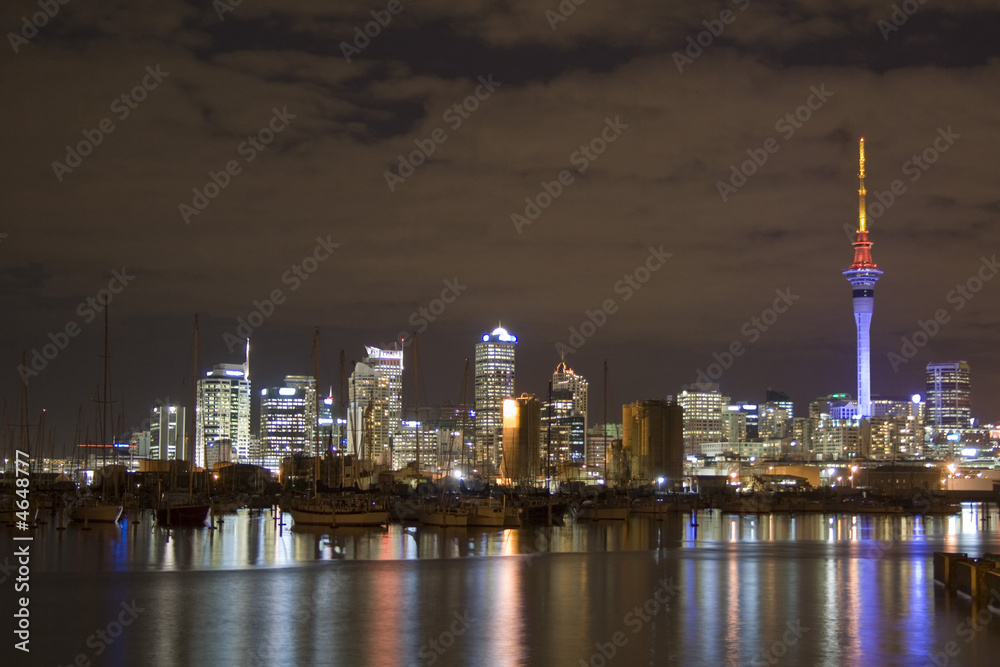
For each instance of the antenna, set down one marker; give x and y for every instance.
(862, 223)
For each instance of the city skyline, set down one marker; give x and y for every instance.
(657, 221)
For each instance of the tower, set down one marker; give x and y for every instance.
(494, 382)
(863, 275)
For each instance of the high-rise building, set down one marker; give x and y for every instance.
(521, 439)
(167, 432)
(564, 418)
(288, 416)
(653, 441)
(782, 400)
(494, 383)
(863, 275)
(774, 420)
(734, 424)
(223, 412)
(375, 393)
(703, 420)
(949, 396)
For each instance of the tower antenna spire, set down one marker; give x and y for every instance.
(862, 222)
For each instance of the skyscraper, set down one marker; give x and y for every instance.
(223, 412)
(494, 382)
(288, 416)
(375, 392)
(564, 417)
(703, 420)
(167, 428)
(863, 275)
(949, 395)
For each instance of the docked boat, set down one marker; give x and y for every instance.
(87, 510)
(178, 509)
(591, 510)
(319, 513)
(544, 511)
(183, 515)
(443, 516)
(485, 513)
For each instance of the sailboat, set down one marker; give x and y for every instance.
(178, 508)
(13, 506)
(89, 507)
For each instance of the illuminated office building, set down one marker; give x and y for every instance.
(223, 413)
(167, 432)
(703, 420)
(375, 394)
(288, 415)
(949, 396)
(494, 383)
(564, 418)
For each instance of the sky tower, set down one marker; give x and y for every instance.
(863, 275)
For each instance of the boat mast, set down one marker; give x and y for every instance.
(416, 399)
(316, 462)
(192, 439)
(465, 411)
(604, 419)
(341, 407)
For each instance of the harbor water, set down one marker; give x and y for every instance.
(704, 589)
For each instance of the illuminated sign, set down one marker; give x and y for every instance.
(503, 336)
(915, 398)
(376, 353)
(286, 391)
(232, 373)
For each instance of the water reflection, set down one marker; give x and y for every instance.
(265, 540)
(849, 590)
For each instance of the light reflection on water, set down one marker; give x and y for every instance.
(261, 541)
(253, 592)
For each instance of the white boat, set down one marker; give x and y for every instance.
(326, 514)
(440, 516)
(486, 513)
(91, 509)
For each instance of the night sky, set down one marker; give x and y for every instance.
(674, 126)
